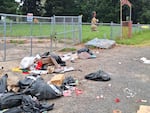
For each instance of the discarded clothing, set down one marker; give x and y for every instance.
(98, 76)
(39, 88)
(101, 43)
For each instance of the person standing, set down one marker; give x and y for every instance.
(94, 22)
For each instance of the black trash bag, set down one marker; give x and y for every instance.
(9, 100)
(30, 105)
(98, 76)
(3, 84)
(41, 89)
(27, 82)
(84, 50)
(56, 57)
(14, 110)
(46, 107)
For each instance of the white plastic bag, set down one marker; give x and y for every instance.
(26, 62)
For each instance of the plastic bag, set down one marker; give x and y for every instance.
(26, 62)
(98, 76)
(40, 88)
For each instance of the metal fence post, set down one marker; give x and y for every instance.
(73, 31)
(31, 38)
(4, 38)
(64, 22)
(111, 30)
(52, 32)
(80, 28)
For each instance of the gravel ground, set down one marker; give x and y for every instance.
(126, 70)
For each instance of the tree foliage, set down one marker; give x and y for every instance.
(32, 6)
(107, 10)
(8, 6)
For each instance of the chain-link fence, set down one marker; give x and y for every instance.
(112, 30)
(29, 35)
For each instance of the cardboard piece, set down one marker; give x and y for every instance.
(144, 109)
(57, 79)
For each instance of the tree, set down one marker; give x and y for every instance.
(32, 6)
(60, 7)
(8, 6)
(107, 10)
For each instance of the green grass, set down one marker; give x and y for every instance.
(141, 38)
(17, 41)
(102, 32)
(41, 30)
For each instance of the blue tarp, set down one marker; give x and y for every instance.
(101, 43)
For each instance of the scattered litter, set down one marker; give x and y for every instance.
(67, 69)
(78, 91)
(100, 97)
(117, 111)
(101, 43)
(17, 69)
(39, 72)
(117, 100)
(141, 100)
(145, 60)
(144, 109)
(119, 63)
(130, 93)
(67, 93)
(109, 85)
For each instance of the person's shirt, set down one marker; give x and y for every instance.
(93, 21)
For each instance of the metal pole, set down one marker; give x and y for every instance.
(4, 59)
(31, 38)
(72, 23)
(111, 30)
(121, 19)
(130, 13)
(64, 32)
(80, 28)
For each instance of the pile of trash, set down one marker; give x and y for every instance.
(48, 63)
(25, 94)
